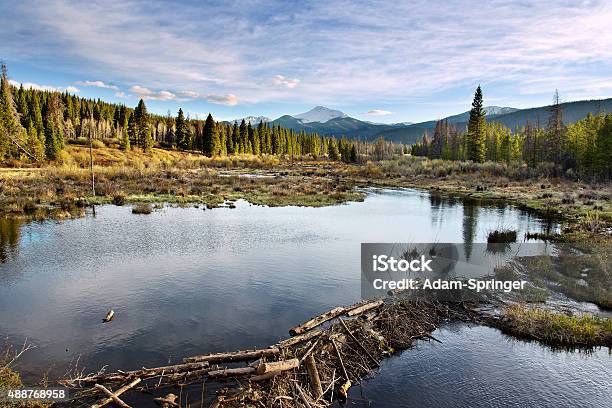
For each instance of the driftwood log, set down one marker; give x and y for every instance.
(142, 373)
(317, 321)
(313, 374)
(299, 339)
(232, 372)
(114, 396)
(364, 308)
(233, 356)
(282, 365)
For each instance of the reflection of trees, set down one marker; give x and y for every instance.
(9, 237)
(438, 204)
(470, 219)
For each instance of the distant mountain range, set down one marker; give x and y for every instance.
(331, 122)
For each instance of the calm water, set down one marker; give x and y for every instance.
(480, 367)
(185, 281)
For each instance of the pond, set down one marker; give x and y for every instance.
(185, 281)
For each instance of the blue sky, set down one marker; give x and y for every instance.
(381, 61)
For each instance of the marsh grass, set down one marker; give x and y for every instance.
(142, 208)
(557, 329)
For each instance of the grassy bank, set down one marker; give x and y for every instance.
(161, 176)
(62, 189)
(556, 329)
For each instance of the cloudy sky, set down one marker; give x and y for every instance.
(383, 61)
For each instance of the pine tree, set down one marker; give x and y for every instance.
(12, 133)
(555, 137)
(353, 156)
(243, 138)
(51, 150)
(476, 134)
(604, 147)
(212, 144)
(142, 129)
(182, 131)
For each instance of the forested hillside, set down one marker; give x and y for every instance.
(35, 125)
(580, 149)
(517, 119)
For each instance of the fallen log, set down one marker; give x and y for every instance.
(233, 356)
(299, 339)
(265, 376)
(282, 365)
(232, 372)
(313, 374)
(317, 321)
(116, 394)
(364, 308)
(142, 373)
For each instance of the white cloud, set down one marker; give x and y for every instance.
(188, 94)
(378, 112)
(229, 99)
(98, 84)
(361, 51)
(31, 85)
(146, 93)
(289, 83)
(120, 94)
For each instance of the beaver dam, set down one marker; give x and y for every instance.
(315, 367)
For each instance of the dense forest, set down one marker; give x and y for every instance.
(583, 148)
(35, 125)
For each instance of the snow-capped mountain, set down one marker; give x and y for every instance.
(320, 114)
(253, 120)
(499, 110)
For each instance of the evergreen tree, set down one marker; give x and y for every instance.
(212, 144)
(604, 147)
(142, 128)
(51, 145)
(555, 137)
(182, 131)
(476, 143)
(11, 131)
(243, 138)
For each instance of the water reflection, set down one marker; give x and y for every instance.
(470, 220)
(9, 238)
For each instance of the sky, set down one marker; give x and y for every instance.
(380, 61)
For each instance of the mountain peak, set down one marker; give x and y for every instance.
(253, 120)
(320, 114)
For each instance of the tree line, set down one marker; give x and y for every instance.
(580, 149)
(36, 124)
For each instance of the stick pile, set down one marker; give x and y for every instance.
(311, 369)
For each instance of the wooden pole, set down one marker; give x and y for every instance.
(93, 184)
